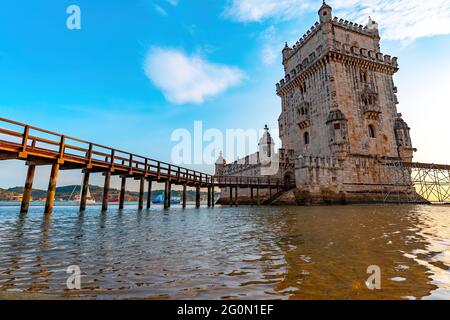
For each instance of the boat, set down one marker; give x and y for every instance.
(160, 200)
(75, 200)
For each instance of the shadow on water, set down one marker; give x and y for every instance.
(229, 253)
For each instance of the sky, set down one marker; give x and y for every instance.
(138, 70)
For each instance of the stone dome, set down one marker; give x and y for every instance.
(336, 115)
(266, 138)
(400, 124)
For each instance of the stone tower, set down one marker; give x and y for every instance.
(339, 113)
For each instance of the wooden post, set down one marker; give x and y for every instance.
(167, 195)
(197, 196)
(257, 196)
(84, 191)
(251, 196)
(184, 195)
(51, 191)
(213, 197)
(122, 193)
(106, 191)
(149, 194)
(231, 196)
(209, 197)
(141, 193)
(28, 188)
(236, 196)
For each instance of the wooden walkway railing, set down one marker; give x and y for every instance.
(38, 146)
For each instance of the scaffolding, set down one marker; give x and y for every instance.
(416, 182)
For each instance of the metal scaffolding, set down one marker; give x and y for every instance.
(430, 181)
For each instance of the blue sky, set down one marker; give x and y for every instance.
(139, 69)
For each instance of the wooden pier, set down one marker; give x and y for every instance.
(40, 147)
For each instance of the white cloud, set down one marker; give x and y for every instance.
(173, 2)
(404, 20)
(270, 54)
(160, 10)
(257, 10)
(400, 19)
(188, 79)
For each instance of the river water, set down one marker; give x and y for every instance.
(228, 253)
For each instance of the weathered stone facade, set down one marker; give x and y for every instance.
(339, 121)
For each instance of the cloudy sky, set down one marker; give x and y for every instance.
(140, 69)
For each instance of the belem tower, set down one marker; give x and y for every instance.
(339, 126)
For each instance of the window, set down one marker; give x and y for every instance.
(371, 131)
(337, 126)
(306, 137)
(363, 76)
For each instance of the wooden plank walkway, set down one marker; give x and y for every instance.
(38, 146)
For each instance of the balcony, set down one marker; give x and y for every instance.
(371, 111)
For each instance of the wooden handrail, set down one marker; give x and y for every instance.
(110, 153)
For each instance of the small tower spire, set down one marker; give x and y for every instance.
(325, 12)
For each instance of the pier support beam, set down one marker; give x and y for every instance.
(251, 196)
(231, 196)
(84, 191)
(213, 197)
(209, 197)
(51, 191)
(122, 193)
(258, 202)
(141, 193)
(167, 191)
(28, 188)
(149, 194)
(184, 195)
(197, 197)
(236, 196)
(106, 191)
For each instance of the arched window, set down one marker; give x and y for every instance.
(306, 137)
(371, 131)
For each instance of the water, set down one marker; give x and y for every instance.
(228, 253)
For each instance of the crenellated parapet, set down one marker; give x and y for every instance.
(312, 162)
(355, 27)
(343, 53)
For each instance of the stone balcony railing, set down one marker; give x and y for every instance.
(371, 111)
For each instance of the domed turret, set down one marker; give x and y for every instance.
(337, 133)
(325, 12)
(336, 115)
(372, 26)
(286, 51)
(403, 139)
(220, 164)
(266, 145)
(401, 129)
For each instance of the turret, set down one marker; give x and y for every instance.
(338, 133)
(325, 13)
(403, 139)
(220, 164)
(266, 146)
(372, 27)
(286, 52)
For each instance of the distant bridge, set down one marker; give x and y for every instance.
(39, 147)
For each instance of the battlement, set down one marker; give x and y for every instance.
(355, 27)
(317, 162)
(343, 49)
